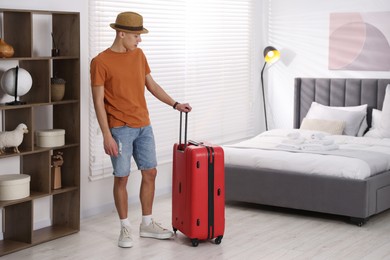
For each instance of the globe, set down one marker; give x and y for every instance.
(24, 82)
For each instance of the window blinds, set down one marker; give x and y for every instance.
(199, 51)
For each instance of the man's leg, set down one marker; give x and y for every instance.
(150, 228)
(121, 163)
(120, 196)
(147, 190)
(121, 204)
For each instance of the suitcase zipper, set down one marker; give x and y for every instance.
(210, 153)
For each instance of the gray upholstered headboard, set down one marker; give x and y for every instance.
(337, 92)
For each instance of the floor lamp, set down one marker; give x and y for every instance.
(271, 54)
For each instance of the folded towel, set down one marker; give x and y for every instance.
(300, 140)
(320, 142)
(318, 147)
(317, 136)
(288, 147)
(294, 135)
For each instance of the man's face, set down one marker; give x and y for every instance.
(131, 40)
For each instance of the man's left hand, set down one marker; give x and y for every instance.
(185, 107)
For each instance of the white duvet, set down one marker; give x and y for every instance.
(348, 157)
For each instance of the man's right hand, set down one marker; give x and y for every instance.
(110, 146)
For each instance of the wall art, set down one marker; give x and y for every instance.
(359, 41)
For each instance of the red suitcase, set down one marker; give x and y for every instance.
(198, 193)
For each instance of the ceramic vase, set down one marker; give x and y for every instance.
(57, 92)
(6, 50)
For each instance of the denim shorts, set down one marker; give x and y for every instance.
(136, 142)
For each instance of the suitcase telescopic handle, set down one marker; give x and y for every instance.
(185, 129)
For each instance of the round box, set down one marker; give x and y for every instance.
(50, 137)
(14, 186)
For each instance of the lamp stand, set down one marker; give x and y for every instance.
(262, 88)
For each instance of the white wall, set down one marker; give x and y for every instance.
(300, 29)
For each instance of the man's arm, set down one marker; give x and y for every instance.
(110, 146)
(161, 95)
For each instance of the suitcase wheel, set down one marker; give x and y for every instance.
(174, 229)
(218, 240)
(195, 242)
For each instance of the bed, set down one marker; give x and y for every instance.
(357, 199)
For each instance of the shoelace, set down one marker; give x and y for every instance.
(158, 225)
(126, 232)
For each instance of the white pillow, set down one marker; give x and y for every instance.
(375, 122)
(385, 120)
(376, 118)
(361, 108)
(332, 127)
(353, 119)
(382, 127)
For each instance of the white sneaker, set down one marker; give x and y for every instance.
(154, 230)
(125, 239)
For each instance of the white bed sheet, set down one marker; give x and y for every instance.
(373, 154)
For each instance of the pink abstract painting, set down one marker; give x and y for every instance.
(359, 41)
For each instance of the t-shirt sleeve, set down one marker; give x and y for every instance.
(98, 73)
(147, 68)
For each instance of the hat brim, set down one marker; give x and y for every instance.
(113, 26)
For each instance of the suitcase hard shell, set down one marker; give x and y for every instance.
(198, 194)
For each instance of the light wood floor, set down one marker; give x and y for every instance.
(252, 232)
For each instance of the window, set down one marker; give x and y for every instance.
(199, 51)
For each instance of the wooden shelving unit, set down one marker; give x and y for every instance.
(18, 31)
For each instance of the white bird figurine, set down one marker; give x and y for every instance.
(12, 138)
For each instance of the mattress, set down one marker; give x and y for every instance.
(349, 157)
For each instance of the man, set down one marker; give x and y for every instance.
(118, 78)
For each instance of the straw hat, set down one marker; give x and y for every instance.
(129, 22)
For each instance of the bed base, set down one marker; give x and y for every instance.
(356, 199)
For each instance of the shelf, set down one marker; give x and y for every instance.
(39, 236)
(36, 195)
(8, 246)
(37, 149)
(50, 233)
(64, 190)
(33, 195)
(40, 58)
(29, 33)
(11, 107)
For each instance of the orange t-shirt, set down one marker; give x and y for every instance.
(123, 76)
